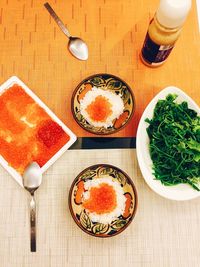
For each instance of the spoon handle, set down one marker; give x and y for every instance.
(33, 224)
(57, 20)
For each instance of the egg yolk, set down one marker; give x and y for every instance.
(99, 109)
(102, 199)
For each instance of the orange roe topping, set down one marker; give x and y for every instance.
(99, 109)
(102, 199)
(27, 133)
(50, 133)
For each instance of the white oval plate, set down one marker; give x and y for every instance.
(177, 192)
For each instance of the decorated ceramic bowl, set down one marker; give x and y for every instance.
(109, 84)
(91, 199)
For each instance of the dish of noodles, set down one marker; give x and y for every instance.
(102, 200)
(102, 104)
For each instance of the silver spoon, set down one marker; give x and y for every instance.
(76, 45)
(32, 179)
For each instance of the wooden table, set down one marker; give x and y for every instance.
(164, 233)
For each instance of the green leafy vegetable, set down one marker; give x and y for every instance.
(174, 133)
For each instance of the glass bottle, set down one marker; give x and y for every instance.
(164, 30)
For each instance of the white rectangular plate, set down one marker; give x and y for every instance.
(176, 192)
(15, 80)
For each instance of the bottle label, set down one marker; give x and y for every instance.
(153, 53)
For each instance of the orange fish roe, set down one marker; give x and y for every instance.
(99, 109)
(27, 132)
(102, 199)
(50, 133)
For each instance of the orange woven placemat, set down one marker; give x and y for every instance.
(33, 48)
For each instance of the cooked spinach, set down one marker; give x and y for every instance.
(174, 133)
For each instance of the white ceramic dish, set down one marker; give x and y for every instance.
(15, 80)
(177, 192)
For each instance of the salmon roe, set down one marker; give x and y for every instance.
(102, 199)
(99, 109)
(50, 133)
(27, 132)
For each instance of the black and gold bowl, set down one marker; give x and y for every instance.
(105, 82)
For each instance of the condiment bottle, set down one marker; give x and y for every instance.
(164, 30)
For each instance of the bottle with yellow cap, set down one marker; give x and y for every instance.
(164, 30)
